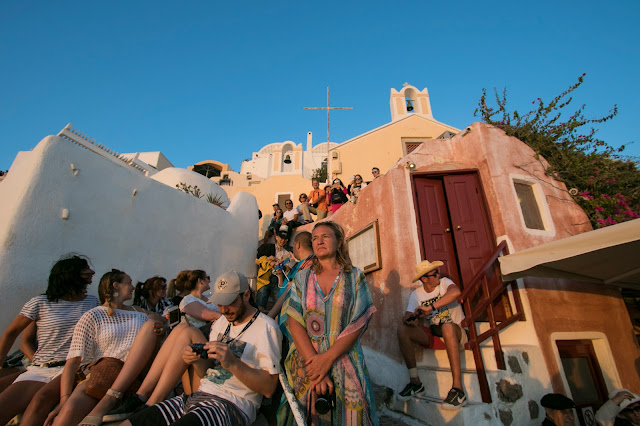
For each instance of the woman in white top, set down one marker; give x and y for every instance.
(194, 306)
(36, 391)
(108, 330)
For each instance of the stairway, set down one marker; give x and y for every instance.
(509, 389)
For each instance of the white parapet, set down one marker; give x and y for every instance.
(115, 215)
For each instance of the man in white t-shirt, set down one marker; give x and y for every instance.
(435, 301)
(241, 363)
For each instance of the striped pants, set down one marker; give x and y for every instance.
(197, 409)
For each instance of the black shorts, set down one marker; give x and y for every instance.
(194, 410)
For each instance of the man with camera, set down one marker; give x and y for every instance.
(435, 301)
(317, 200)
(239, 364)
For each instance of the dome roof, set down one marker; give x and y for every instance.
(173, 176)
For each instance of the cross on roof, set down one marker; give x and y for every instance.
(328, 108)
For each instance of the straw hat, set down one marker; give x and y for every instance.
(425, 267)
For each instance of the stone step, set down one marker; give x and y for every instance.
(438, 381)
(431, 411)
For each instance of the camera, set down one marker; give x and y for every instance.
(411, 318)
(325, 403)
(200, 350)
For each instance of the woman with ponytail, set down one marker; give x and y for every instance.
(176, 291)
(151, 295)
(118, 340)
(194, 306)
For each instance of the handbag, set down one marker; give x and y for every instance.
(103, 373)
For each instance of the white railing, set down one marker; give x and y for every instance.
(81, 139)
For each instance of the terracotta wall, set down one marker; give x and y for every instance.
(387, 199)
(564, 306)
(496, 157)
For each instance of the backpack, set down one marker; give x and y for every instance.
(338, 197)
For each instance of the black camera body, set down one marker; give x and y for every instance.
(411, 318)
(325, 403)
(200, 350)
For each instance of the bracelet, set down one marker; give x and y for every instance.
(65, 395)
(433, 308)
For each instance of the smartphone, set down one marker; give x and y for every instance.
(173, 316)
(200, 350)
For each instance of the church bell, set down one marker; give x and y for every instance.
(287, 159)
(409, 105)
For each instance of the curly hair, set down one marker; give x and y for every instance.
(342, 252)
(144, 289)
(65, 279)
(176, 285)
(193, 277)
(105, 288)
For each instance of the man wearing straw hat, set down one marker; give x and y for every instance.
(435, 301)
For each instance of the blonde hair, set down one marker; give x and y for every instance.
(105, 288)
(342, 252)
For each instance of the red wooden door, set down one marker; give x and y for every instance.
(469, 223)
(435, 225)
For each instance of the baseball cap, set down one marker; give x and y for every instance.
(557, 401)
(227, 288)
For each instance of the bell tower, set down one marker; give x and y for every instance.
(409, 101)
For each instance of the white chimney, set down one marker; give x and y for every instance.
(309, 141)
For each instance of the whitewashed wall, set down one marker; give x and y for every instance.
(159, 230)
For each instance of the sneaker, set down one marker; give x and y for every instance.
(412, 389)
(129, 405)
(454, 400)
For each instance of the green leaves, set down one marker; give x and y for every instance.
(574, 153)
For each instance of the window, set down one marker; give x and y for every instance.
(528, 205)
(411, 144)
(583, 374)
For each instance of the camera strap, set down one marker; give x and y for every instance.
(226, 332)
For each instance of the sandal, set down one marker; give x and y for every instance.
(91, 421)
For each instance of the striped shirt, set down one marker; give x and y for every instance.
(55, 322)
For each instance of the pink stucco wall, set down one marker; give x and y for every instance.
(389, 200)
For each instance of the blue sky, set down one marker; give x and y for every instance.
(219, 80)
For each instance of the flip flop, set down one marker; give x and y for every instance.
(91, 421)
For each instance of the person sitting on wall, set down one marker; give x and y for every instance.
(317, 200)
(238, 366)
(558, 410)
(290, 216)
(176, 291)
(337, 196)
(304, 210)
(55, 313)
(622, 409)
(375, 172)
(354, 188)
(151, 295)
(435, 300)
(274, 224)
(197, 310)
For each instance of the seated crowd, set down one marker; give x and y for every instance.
(105, 359)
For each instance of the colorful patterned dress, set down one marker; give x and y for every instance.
(345, 310)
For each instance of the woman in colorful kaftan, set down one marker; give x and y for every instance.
(329, 307)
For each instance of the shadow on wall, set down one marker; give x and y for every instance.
(382, 329)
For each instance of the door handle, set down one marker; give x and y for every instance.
(458, 227)
(447, 230)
